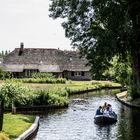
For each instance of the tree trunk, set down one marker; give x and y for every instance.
(1, 114)
(135, 85)
(134, 10)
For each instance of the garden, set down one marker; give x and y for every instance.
(37, 91)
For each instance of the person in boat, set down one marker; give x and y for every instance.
(106, 112)
(110, 109)
(104, 106)
(99, 111)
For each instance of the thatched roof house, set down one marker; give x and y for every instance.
(22, 62)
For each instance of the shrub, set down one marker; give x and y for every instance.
(40, 97)
(13, 92)
(42, 80)
(5, 75)
(43, 97)
(42, 75)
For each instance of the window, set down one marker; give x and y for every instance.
(78, 73)
(72, 73)
(82, 73)
(28, 72)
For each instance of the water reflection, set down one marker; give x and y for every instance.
(77, 123)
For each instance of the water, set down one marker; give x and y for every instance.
(77, 122)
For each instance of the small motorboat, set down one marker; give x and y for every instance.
(106, 118)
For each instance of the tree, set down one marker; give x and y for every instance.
(102, 29)
(8, 93)
(119, 71)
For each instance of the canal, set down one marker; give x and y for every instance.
(77, 121)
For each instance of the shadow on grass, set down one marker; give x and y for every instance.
(28, 120)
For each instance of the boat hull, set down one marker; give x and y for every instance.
(105, 118)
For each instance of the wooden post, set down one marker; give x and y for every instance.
(13, 108)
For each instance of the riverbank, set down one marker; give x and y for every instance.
(29, 133)
(15, 125)
(124, 98)
(71, 87)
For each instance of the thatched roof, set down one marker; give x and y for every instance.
(45, 60)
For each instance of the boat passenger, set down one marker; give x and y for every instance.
(104, 106)
(110, 109)
(106, 112)
(99, 111)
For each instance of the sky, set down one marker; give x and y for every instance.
(28, 21)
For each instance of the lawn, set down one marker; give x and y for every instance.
(74, 85)
(14, 125)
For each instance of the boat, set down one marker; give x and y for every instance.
(106, 118)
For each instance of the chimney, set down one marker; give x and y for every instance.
(21, 48)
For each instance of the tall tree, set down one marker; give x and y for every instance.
(102, 29)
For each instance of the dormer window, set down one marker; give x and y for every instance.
(70, 59)
(41, 62)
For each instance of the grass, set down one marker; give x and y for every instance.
(4, 136)
(73, 85)
(14, 125)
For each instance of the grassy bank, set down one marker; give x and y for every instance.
(14, 125)
(32, 94)
(73, 85)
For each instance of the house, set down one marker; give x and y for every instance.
(22, 62)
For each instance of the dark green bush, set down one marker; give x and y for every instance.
(42, 80)
(42, 75)
(27, 97)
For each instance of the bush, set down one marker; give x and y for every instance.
(50, 97)
(40, 97)
(43, 97)
(5, 75)
(42, 75)
(12, 93)
(42, 80)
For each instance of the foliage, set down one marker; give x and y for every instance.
(53, 94)
(119, 71)
(102, 29)
(11, 92)
(41, 80)
(42, 75)
(8, 94)
(44, 97)
(21, 96)
(5, 75)
(96, 28)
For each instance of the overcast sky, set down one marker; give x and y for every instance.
(28, 21)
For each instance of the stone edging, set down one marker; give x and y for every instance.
(31, 131)
(123, 101)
